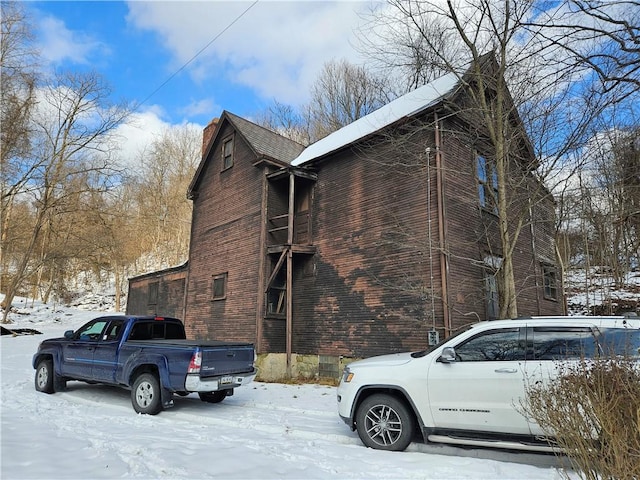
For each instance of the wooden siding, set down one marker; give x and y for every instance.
(472, 234)
(168, 299)
(367, 294)
(225, 238)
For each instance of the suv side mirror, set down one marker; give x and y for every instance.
(448, 355)
(68, 334)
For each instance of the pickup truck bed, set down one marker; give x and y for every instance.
(150, 356)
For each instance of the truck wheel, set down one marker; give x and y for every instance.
(44, 376)
(384, 422)
(213, 397)
(145, 394)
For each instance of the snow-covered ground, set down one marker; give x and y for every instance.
(264, 431)
(594, 292)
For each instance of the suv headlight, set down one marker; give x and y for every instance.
(347, 375)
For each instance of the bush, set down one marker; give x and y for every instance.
(591, 411)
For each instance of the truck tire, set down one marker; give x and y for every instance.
(213, 397)
(44, 376)
(384, 423)
(146, 395)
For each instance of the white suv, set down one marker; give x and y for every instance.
(468, 389)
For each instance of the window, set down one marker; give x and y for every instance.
(502, 345)
(277, 294)
(624, 342)
(491, 292)
(220, 286)
(157, 330)
(114, 330)
(549, 282)
(152, 298)
(563, 343)
(92, 331)
(620, 341)
(227, 153)
(487, 184)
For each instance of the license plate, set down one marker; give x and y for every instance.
(226, 380)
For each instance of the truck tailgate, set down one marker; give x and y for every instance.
(228, 359)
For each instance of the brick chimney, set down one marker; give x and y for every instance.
(207, 133)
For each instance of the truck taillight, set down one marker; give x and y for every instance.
(196, 361)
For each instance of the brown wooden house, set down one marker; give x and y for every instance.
(378, 238)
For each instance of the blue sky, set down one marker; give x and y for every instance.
(273, 51)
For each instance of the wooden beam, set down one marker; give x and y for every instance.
(262, 264)
(289, 310)
(276, 269)
(292, 207)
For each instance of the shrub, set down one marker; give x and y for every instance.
(591, 411)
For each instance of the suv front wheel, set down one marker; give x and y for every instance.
(384, 422)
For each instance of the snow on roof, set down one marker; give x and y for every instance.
(406, 105)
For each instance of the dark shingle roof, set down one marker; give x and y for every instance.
(264, 141)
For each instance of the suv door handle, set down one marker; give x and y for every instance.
(506, 370)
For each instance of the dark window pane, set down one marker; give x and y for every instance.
(114, 330)
(549, 281)
(153, 293)
(174, 331)
(219, 286)
(499, 345)
(227, 153)
(560, 344)
(620, 341)
(491, 295)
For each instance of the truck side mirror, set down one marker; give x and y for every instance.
(448, 355)
(68, 334)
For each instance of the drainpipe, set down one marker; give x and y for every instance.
(444, 261)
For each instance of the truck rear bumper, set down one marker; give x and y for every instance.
(194, 383)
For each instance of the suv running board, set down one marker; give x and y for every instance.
(505, 444)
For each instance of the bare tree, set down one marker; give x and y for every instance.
(342, 93)
(602, 37)
(162, 208)
(17, 87)
(287, 121)
(72, 133)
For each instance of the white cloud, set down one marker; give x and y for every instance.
(276, 48)
(201, 107)
(139, 132)
(59, 44)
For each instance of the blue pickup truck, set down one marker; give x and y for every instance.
(148, 355)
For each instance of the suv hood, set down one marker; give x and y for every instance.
(384, 360)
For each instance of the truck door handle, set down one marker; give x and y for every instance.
(506, 370)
